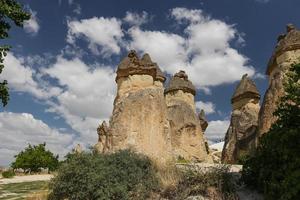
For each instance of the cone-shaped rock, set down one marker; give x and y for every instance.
(186, 133)
(203, 121)
(241, 134)
(286, 53)
(245, 89)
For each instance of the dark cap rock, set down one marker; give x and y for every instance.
(131, 65)
(180, 82)
(245, 89)
(285, 42)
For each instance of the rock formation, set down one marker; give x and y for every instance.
(203, 121)
(241, 134)
(287, 52)
(149, 119)
(77, 149)
(104, 140)
(187, 138)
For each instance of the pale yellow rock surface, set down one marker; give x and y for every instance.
(241, 134)
(146, 118)
(287, 52)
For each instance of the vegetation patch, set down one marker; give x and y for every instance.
(122, 175)
(8, 174)
(193, 181)
(22, 190)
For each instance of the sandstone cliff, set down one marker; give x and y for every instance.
(241, 134)
(287, 52)
(139, 116)
(149, 119)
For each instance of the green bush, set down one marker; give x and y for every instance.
(274, 168)
(195, 181)
(8, 174)
(122, 175)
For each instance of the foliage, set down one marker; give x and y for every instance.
(122, 175)
(10, 11)
(35, 157)
(194, 181)
(274, 168)
(8, 174)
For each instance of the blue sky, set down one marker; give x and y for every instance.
(62, 65)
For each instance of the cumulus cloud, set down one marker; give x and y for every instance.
(208, 107)
(32, 26)
(21, 78)
(19, 129)
(87, 97)
(216, 130)
(136, 19)
(103, 34)
(203, 50)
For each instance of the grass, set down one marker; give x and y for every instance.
(26, 190)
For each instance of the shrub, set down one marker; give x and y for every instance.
(274, 168)
(8, 174)
(194, 181)
(122, 175)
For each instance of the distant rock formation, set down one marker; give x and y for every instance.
(77, 149)
(104, 140)
(287, 52)
(241, 134)
(187, 138)
(149, 119)
(203, 121)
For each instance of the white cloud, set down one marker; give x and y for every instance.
(32, 26)
(216, 130)
(208, 107)
(87, 97)
(21, 78)
(136, 19)
(103, 34)
(181, 14)
(203, 50)
(19, 129)
(165, 48)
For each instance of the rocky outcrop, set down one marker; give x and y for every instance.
(203, 121)
(139, 119)
(287, 52)
(161, 123)
(241, 134)
(187, 138)
(104, 139)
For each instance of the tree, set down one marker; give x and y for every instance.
(274, 168)
(10, 11)
(35, 157)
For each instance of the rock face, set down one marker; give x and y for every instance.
(149, 119)
(241, 134)
(287, 52)
(187, 138)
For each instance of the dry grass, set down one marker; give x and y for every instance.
(169, 176)
(41, 195)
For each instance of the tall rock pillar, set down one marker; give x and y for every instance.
(241, 134)
(287, 52)
(186, 133)
(139, 116)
